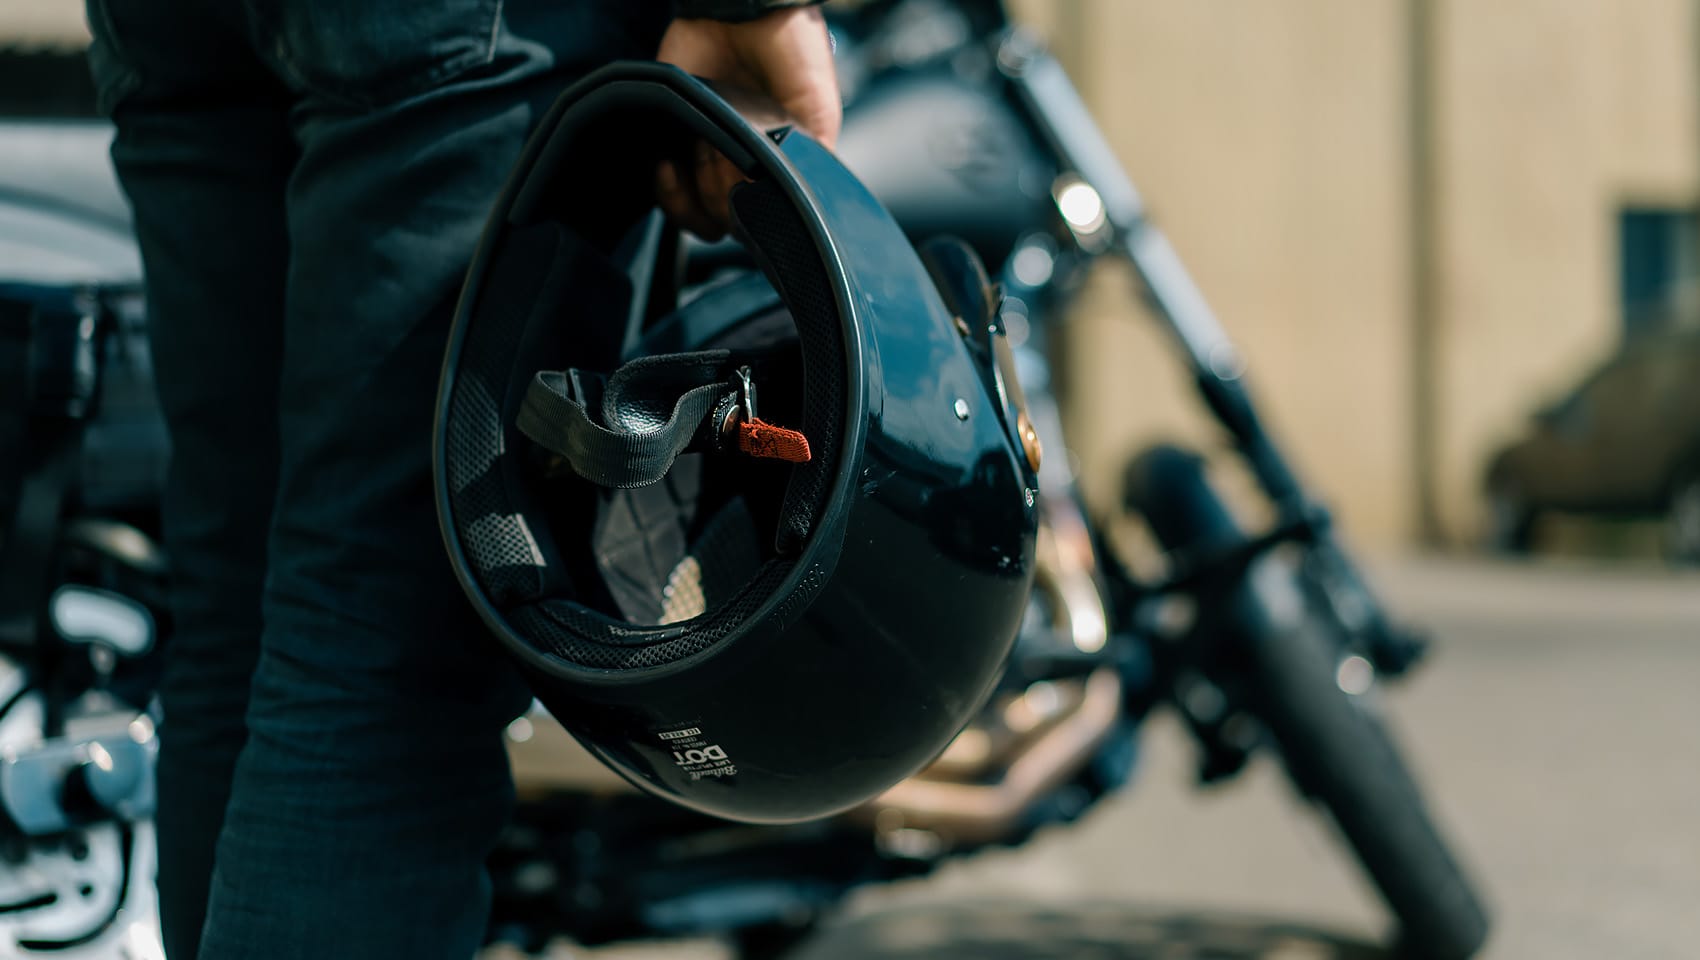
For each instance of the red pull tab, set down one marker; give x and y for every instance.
(758, 438)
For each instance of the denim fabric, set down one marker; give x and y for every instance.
(309, 178)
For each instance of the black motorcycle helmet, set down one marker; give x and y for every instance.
(765, 555)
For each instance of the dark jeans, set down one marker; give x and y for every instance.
(309, 178)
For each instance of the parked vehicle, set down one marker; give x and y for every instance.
(1624, 442)
(1265, 638)
(81, 454)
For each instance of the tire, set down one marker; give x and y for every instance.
(773, 942)
(1342, 755)
(1511, 522)
(1337, 751)
(1682, 520)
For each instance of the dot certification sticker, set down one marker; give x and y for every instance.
(695, 754)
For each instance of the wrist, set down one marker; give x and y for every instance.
(734, 11)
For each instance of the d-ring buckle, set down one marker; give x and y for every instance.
(741, 410)
(746, 395)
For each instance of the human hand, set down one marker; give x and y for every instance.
(786, 55)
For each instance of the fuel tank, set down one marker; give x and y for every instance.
(946, 154)
(68, 257)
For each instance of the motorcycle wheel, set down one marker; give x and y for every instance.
(1336, 747)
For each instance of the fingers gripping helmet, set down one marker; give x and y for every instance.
(765, 554)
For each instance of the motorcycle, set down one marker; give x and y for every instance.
(1256, 639)
(82, 450)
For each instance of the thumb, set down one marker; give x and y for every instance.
(817, 111)
(793, 65)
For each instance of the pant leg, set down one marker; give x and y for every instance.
(204, 152)
(375, 781)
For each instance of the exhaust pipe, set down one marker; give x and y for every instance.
(941, 801)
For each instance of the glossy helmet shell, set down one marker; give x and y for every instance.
(882, 618)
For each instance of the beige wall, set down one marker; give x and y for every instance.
(52, 23)
(1268, 139)
(1274, 143)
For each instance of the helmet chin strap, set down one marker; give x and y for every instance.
(628, 431)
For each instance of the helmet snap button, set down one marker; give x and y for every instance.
(961, 408)
(1029, 441)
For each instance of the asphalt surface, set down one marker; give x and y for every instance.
(1556, 729)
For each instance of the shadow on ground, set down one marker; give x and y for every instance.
(1067, 931)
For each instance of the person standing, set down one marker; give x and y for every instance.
(309, 179)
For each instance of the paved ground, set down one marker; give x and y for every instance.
(1558, 731)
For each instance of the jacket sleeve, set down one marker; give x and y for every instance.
(733, 11)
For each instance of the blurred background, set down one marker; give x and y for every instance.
(1425, 220)
(1459, 244)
